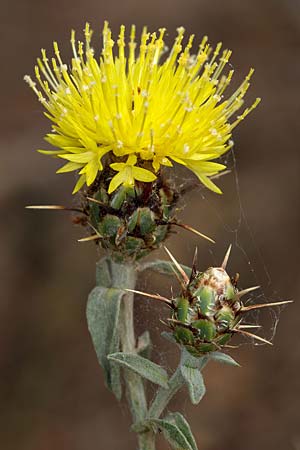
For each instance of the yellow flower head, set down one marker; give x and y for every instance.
(135, 113)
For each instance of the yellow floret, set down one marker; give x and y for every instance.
(136, 108)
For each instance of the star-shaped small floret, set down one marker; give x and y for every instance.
(127, 173)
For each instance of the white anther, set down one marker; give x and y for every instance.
(186, 148)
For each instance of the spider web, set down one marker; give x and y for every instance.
(242, 237)
(245, 255)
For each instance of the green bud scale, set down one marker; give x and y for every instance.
(132, 221)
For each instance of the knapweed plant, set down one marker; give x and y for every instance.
(122, 120)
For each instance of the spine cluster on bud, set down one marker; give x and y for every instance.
(209, 310)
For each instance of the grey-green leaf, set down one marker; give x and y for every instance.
(142, 366)
(181, 423)
(191, 361)
(164, 267)
(103, 309)
(194, 382)
(103, 273)
(173, 434)
(223, 358)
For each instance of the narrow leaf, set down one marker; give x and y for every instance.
(173, 434)
(103, 309)
(194, 382)
(181, 423)
(142, 366)
(103, 273)
(164, 267)
(175, 428)
(191, 361)
(115, 371)
(223, 358)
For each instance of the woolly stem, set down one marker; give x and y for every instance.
(164, 396)
(125, 276)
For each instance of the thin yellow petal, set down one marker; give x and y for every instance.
(143, 174)
(79, 158)
(178, 160)
(50, 152)
(116, 181)
(91, 171)
(209, 184)
(60, 141)
(207, 167)
(131, 161)
(74, 149)
(166, 162)
(79, 184)
(118, 166)
(69, 167)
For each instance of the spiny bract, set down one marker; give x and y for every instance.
(205, 318)
(130, 223)
(209, 310)
(136, 113)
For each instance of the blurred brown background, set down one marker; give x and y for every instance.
(52, 393)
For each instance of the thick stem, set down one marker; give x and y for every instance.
(164, 396)
(146, 440)
(134, 383)
(124, 276)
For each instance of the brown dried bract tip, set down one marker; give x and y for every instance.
(153, 296)
(185, 279)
